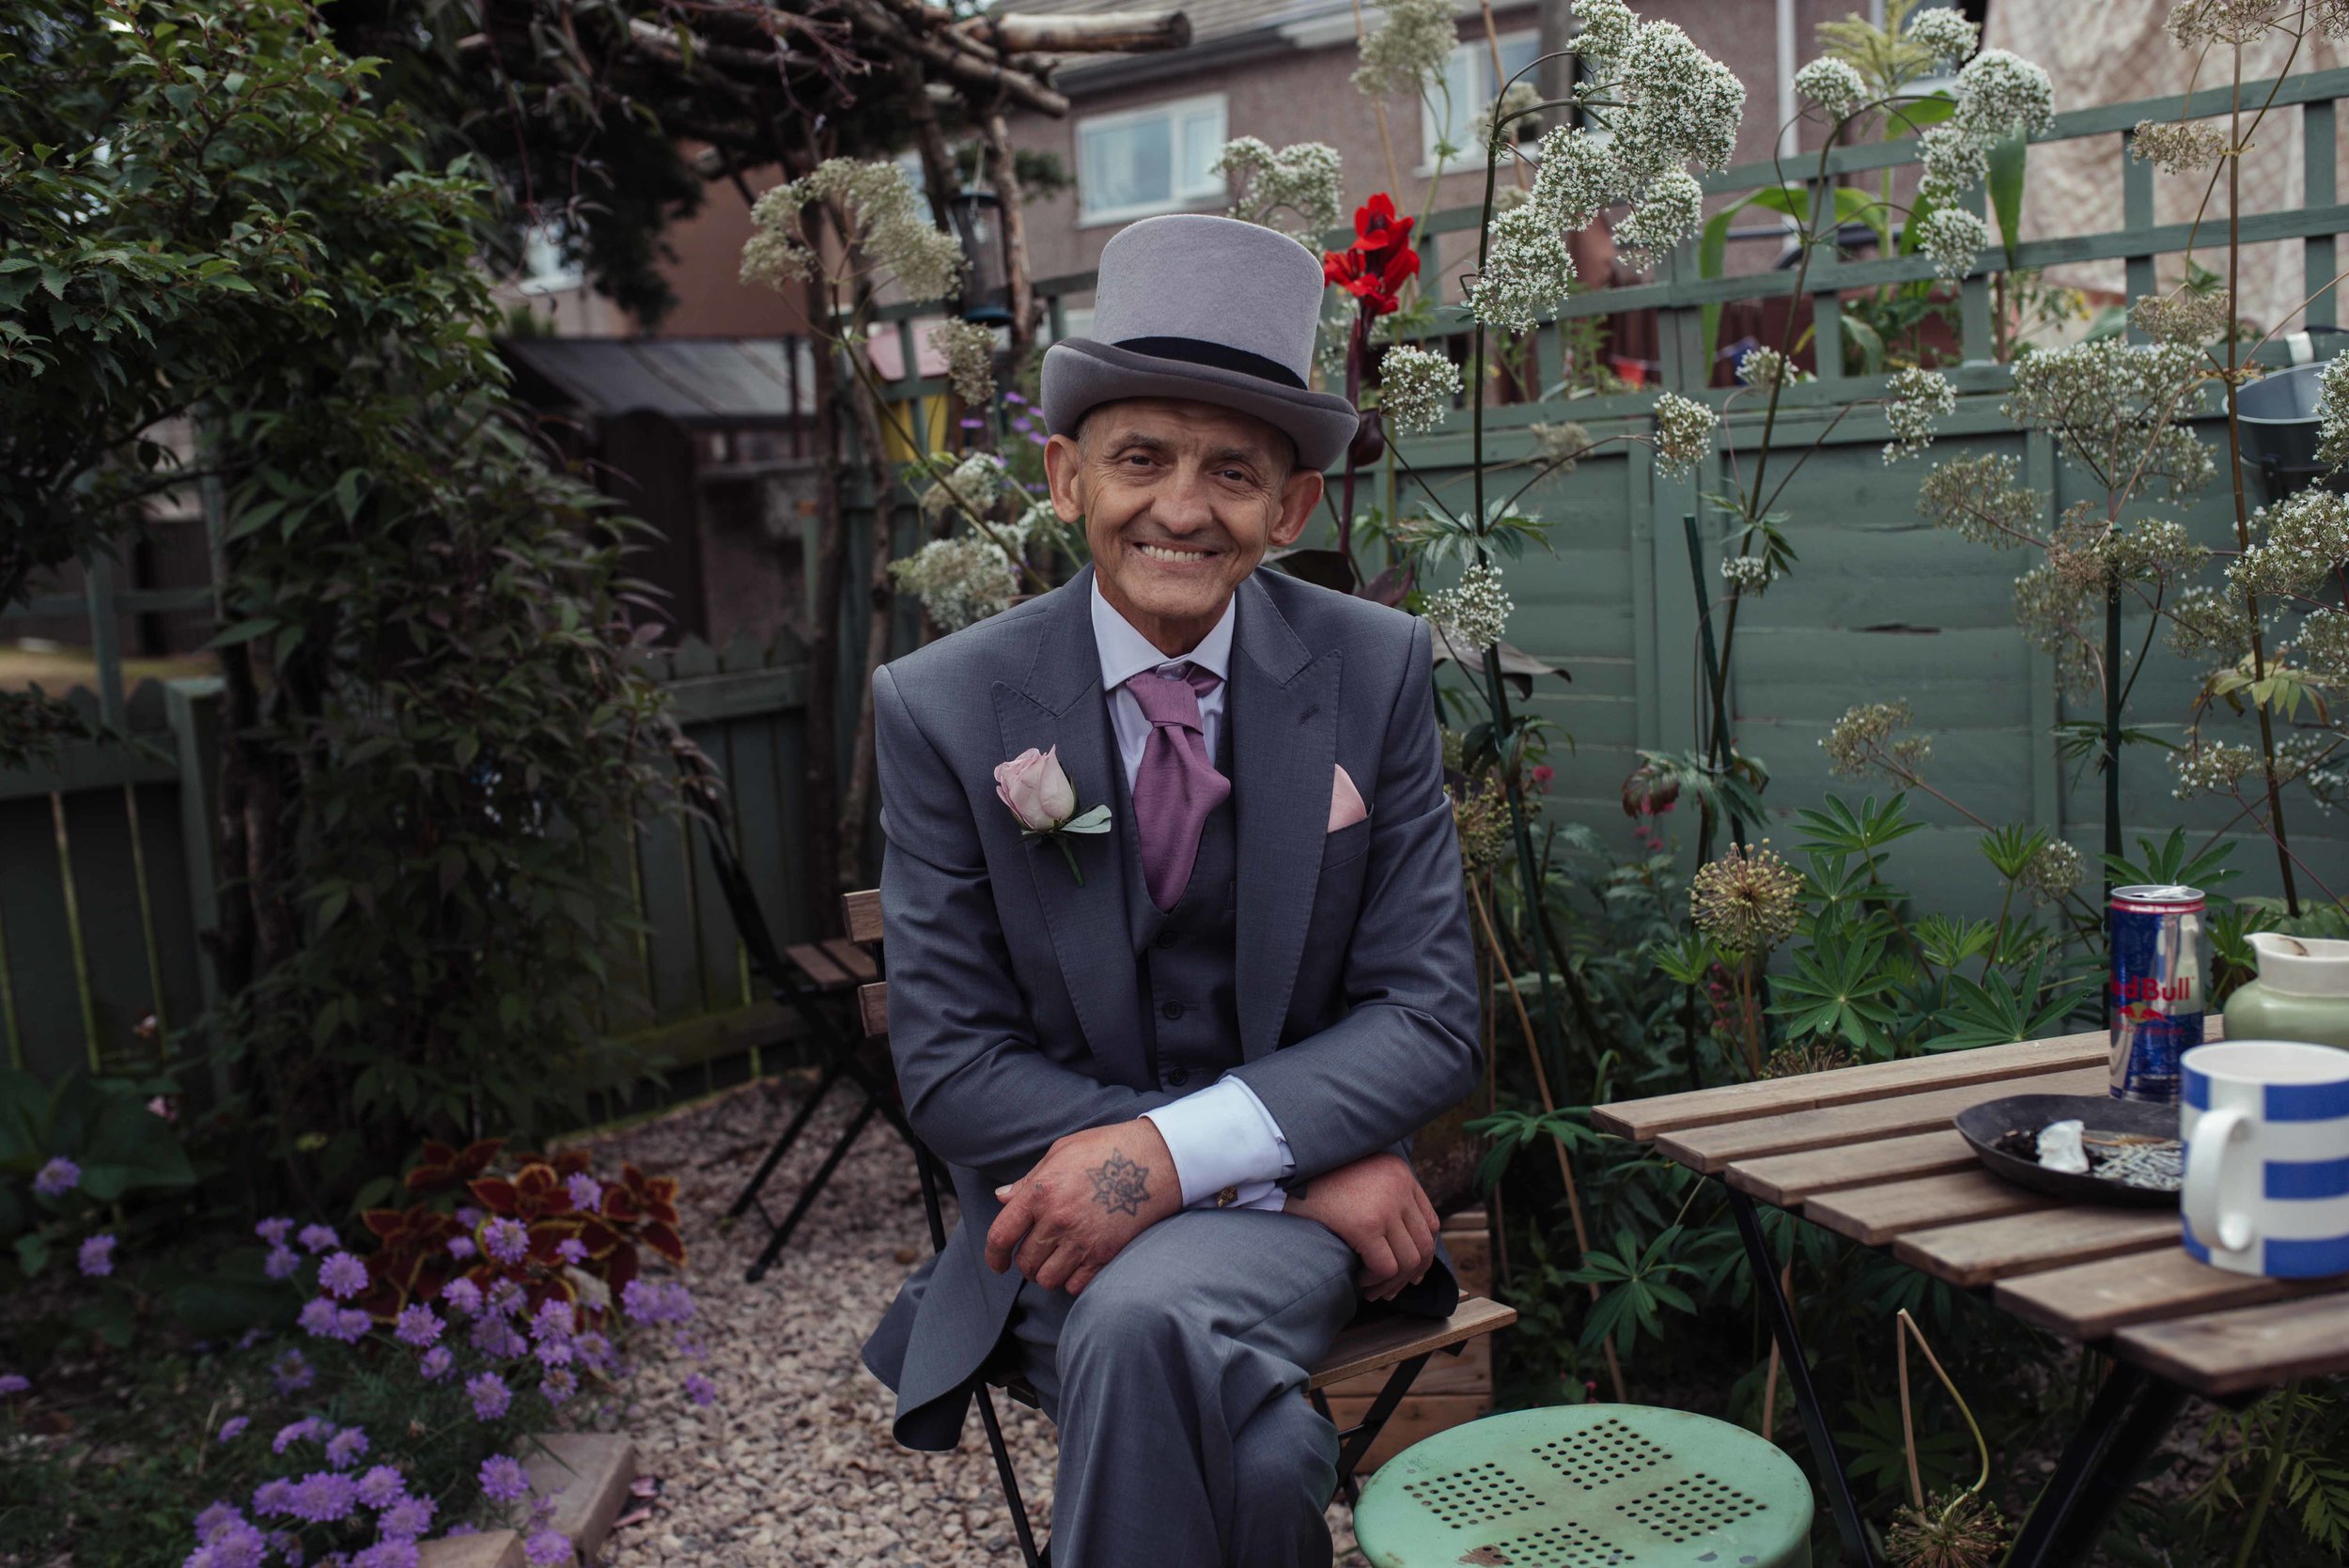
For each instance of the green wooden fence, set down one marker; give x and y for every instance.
(107, 886)
(1880, 605)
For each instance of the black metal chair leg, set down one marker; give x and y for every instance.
(1357, 1442)
(1857, 1543)
(2098, 1468)
(782, 1237)
(1035, 1557)
(749, 1195)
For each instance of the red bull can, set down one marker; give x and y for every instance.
(2160, 954)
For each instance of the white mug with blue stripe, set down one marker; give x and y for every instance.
(2265, 1127)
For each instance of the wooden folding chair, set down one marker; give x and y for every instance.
(816, 981)
(1368, 1344)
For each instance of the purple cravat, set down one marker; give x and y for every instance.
(1176, 787)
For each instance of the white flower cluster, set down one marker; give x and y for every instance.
(1833, 85)
(2305, 540)
(1953, 237)
(1512, 109)
(2182, 315)
(1747, 574)
(1301, 179)
(2332, 411)
(2177, 147)
(1945, 31)
(1861, 743)
(2212, 767)
(970, 489)
(883, 219)
(1999, 93)
(2117, 406)
(2052, 873)
(1982, 498)
(1913, 401)
(969, 351)
(1473, 615)
(1408, 53)
(2232, 22)
(1559, 448)
(1660, 103)
(2325, 643)
(2204, 621)
(1416, 387)
(1684, 432)
(1766, 368)
(1527, 270)
(958, 581)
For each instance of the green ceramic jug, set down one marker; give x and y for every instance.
(2302, 992)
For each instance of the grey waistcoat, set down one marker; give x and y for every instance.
(1184, 957)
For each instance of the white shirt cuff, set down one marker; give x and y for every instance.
(1222, 1137)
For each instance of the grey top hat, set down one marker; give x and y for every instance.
(1208, 309)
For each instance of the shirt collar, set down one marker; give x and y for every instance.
(1125, 653)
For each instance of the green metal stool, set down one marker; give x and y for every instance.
(1588, 1486)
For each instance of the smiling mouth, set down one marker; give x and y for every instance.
(1173, 556)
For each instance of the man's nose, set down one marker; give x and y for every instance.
(1184, 505)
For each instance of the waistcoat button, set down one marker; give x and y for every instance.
(1179, 1077)
(1171, 1010)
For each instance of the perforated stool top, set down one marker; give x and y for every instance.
(1588, 1486)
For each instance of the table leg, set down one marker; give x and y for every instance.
(2098, 1468)
(1857, 1543)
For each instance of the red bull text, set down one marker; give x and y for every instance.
(2160, 954)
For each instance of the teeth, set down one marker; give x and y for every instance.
(1157, 552)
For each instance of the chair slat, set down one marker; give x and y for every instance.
(816, 964)
(872, 1005)
(862, 913)
(1367, 1347)
(854, 959)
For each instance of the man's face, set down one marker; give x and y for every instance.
(1180, 502)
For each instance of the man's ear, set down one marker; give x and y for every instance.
(1064, 464)
(1299, 495)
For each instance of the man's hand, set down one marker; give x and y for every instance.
(1377, 1207)
(1091, 1194)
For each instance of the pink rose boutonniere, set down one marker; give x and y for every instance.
(1036, 788)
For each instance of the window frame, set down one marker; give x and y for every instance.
(1479, 51)
(1174, 111)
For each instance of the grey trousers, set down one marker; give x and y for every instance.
(1176, 1380)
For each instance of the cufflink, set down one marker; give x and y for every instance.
(1227, 1197)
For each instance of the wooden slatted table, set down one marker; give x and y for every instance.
(1870, 1154)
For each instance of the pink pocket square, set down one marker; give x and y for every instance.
(1345, 802)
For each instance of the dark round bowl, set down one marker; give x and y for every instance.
(1983, 1125)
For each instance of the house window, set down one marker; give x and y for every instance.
(1161, 159)
(548, 266)
(1468, 75)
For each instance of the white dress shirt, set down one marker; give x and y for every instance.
(1222, 1135)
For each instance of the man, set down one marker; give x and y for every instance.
(1173, 1065)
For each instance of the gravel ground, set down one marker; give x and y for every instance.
(794, 1463)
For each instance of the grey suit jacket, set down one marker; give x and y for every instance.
(1014, 1007)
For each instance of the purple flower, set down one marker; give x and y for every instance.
(307, 1429)
(281, 1263)
(556, 1319)
(98, 1256)
(505, 1295)
(406, 1519)
(554, 1353)
(274, 1230)
(272, 1497)
(397, 1551)
(233, 1428)
(13, 1383)
(572, 1250)
(317, 1238)
(505, 1240)
(318, 1317)
(593, 1349)
(58, 1178)
(1013, 399)
(323, 1497)
(558, 1385)
(437, 1363)
(461, 1248)
(215, 1519)
(488, 1394)
(351, 1324)
(292, 1372)
(547, 1548)
(462, 1295)
(417, 1325)
(378, 1486)
(657, 1301)
(494, 1336)
(586, 1192)
(700, 1390)
(342, 1275)
(345, 1448)
(286, 1545)
(229, 1540)
(503, 1479)
(687, 1345)
(468, 1215)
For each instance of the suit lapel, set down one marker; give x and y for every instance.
(1059, 706)
(1284, 712)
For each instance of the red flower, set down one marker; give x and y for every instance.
(1373, 267)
